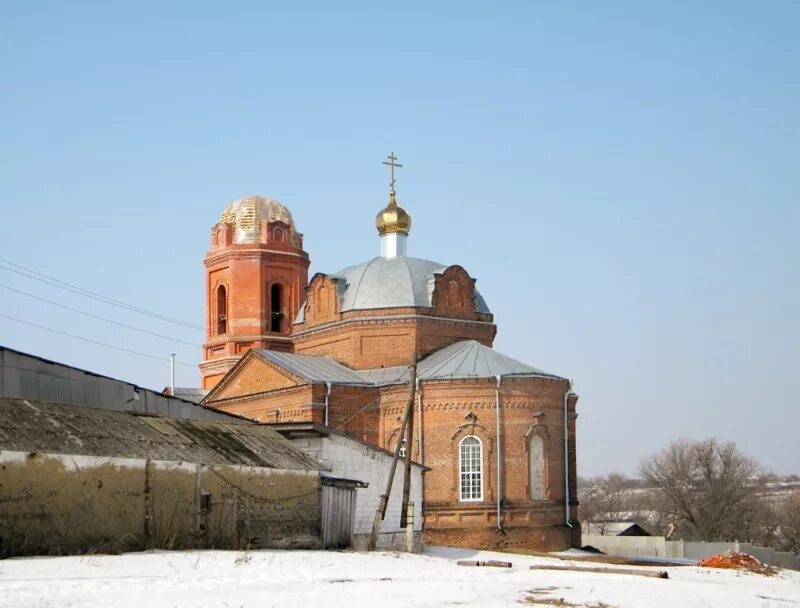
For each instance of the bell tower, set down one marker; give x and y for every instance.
(256, 277)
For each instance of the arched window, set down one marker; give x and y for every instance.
(470, 469)
(537, 464)
(275, 307)
(222, 310)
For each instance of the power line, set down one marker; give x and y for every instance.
(375, 403)
(89, 340)
(38, 276)
(88, 314)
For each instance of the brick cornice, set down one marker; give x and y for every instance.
(213, 257)
(221, 340)
(219, 364)
(286, 392)
(388, 320)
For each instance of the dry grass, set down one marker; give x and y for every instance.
(540, 596)
(549, 601)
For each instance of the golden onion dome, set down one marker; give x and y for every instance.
(247, 214)
(393, 218)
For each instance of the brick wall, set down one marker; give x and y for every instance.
(355, 409)
(283, 405)
(452, 410)
(368, 339)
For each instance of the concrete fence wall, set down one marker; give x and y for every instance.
(658, 546)
(66, 504)
(767, 555)
(634, 546)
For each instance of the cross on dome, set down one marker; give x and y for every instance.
(392, 164)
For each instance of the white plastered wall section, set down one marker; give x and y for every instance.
(352, 459)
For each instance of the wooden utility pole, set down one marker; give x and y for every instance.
(380, 512)
(409, 442)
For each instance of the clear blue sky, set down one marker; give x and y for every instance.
(622, 178)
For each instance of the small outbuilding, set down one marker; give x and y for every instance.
(26, 376)
(348, 457)
(79, 479)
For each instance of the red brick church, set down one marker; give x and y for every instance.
(497, 434)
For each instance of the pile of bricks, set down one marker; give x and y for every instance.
(737, 561)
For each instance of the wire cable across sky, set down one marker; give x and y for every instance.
(39, 276)
(97, 342)
(94, 316)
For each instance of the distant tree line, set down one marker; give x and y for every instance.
(699, 490)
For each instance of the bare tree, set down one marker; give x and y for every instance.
(789, 520)
(706, 489)
(609, 499)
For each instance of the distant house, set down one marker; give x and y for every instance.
(614, 528)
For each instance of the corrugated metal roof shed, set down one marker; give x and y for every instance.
(56, 428)
(314, 368)
(27, 376)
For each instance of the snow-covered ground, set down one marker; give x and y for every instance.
(327, 579)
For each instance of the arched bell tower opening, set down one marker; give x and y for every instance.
(222, 310)
(276, 308)
(256, 278)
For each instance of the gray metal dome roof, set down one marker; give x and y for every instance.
(392, 282)
(389, 283)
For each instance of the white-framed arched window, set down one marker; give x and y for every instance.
(470, 469)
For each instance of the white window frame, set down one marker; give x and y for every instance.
(462, 473)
